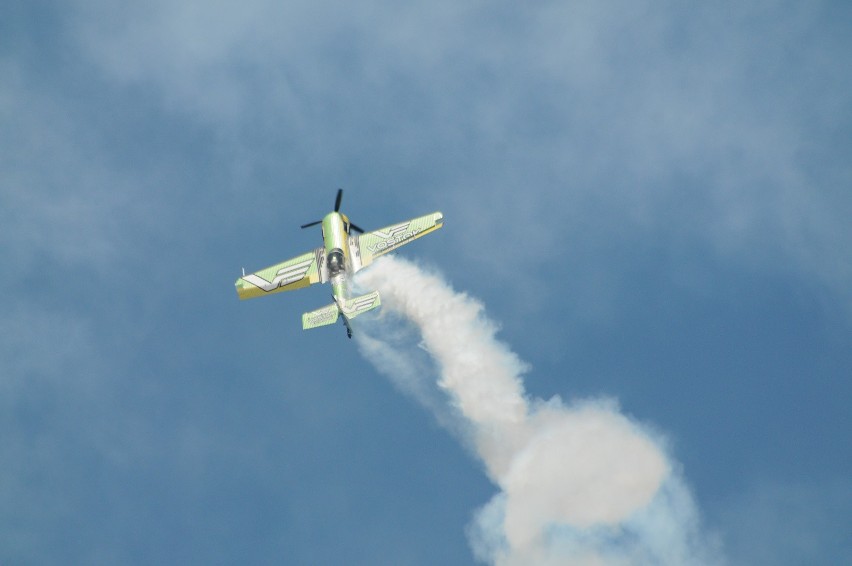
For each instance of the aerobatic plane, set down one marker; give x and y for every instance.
(342, 255)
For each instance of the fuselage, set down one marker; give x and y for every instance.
(335, 235)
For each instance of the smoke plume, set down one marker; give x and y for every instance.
(580, 483)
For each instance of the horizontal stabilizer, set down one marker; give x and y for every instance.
(320, 317)
(353, 307)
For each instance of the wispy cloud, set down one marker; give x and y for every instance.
(789, 523)
(55, 200)
(688, 126)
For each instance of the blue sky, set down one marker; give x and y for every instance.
(651, 199)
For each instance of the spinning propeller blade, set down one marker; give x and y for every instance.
(337, 202)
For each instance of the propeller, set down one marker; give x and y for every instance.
(337, 202)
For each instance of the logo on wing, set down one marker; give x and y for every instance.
(393, 236)
(285, 276)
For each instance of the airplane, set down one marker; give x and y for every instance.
(342, 255)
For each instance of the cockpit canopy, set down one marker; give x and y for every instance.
(336, 262)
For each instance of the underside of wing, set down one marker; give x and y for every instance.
(371, 245)
(289, 275)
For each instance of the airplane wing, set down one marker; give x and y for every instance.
(371, 245)
(295, 273)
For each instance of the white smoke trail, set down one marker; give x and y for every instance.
(580, 483)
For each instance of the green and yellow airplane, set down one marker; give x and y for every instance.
(342, 255)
